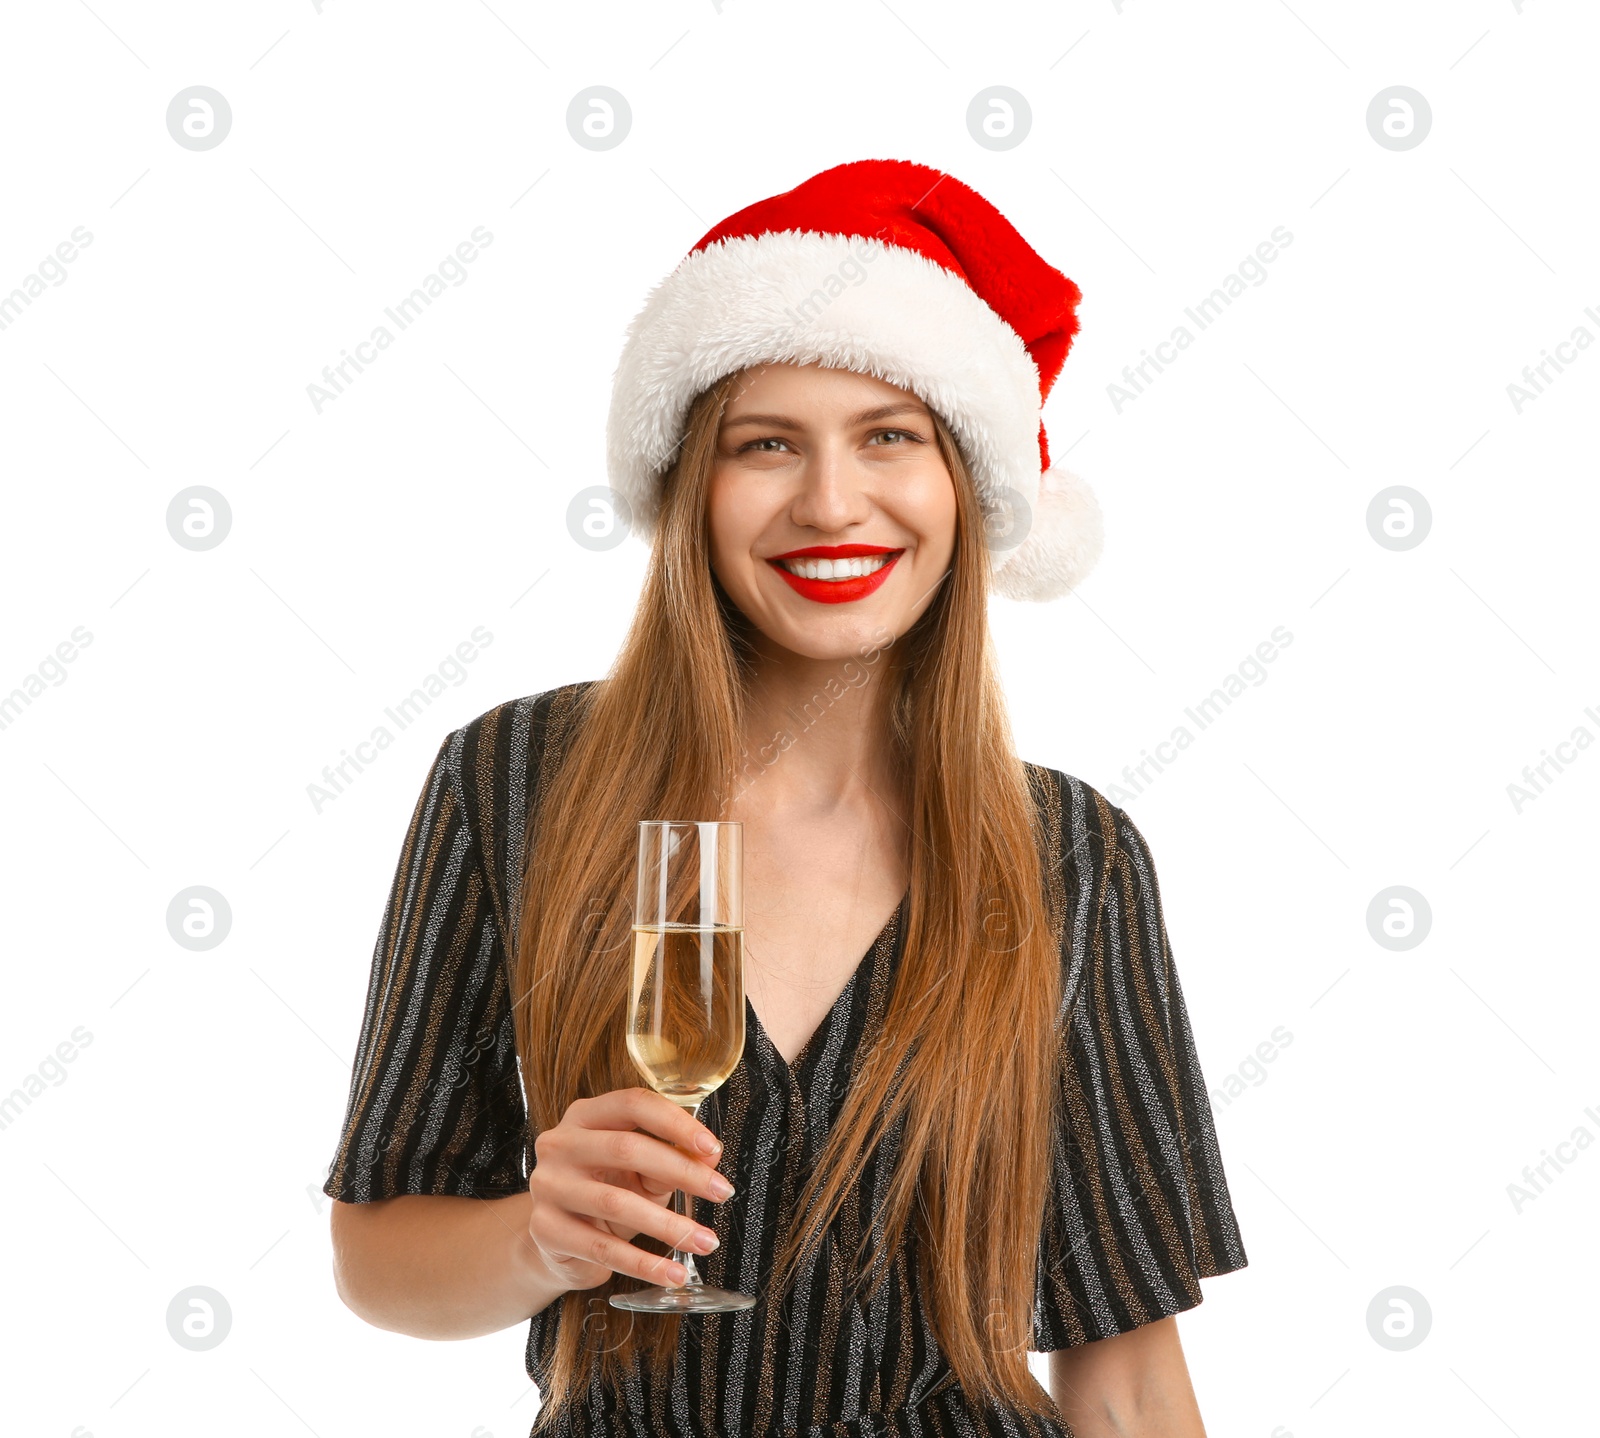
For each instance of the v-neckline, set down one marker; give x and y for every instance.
(753, 1024)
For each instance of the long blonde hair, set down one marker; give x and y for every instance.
(974, 1073)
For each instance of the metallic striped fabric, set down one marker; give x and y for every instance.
(1139, 1209)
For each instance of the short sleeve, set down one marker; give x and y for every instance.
(435, 1102)
(1139, 1209)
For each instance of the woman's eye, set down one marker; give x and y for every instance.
(757, 443)
(906, 433)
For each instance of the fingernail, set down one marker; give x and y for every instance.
(709, 1144)
(720, 1187)
(709, 1242)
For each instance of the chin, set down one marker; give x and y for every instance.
(841, 638)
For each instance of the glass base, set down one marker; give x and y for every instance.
(690, 1298)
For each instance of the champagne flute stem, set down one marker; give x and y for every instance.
(692, 1277)
(680, 1203)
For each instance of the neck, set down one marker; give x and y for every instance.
(818, 731)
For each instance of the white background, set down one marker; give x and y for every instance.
(186, 1143)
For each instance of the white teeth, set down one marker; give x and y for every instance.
(836, 568)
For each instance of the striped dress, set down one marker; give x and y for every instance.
(1139, 1208)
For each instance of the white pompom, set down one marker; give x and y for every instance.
(1064, 541)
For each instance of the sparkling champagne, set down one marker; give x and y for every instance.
(686, 1016)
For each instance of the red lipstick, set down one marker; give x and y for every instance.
(836, 591)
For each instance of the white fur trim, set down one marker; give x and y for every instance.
(847, 302)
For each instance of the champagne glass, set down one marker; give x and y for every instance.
(686, 1001)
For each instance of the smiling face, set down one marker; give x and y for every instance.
(832, 513)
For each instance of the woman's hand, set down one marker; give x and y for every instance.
(599, 1181)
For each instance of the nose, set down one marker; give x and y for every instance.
(831, 496)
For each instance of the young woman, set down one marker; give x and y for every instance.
(969, 1121)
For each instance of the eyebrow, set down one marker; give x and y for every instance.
(866, 416)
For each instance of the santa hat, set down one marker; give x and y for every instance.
(893, 269)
